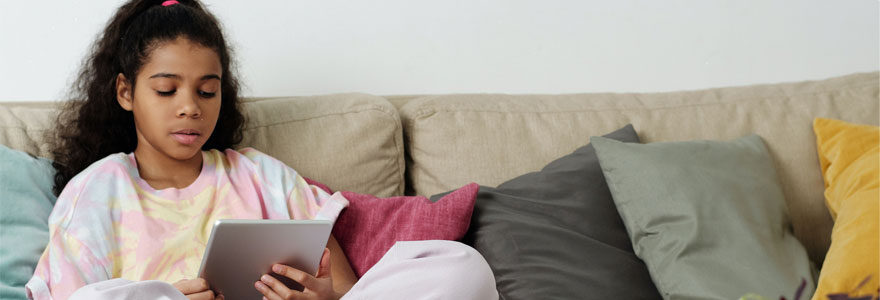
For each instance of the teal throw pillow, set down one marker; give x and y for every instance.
(708, 217)
(26, 200)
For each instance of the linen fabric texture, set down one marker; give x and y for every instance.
(708, 217)
(496, 137)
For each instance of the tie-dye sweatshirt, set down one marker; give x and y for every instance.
(109, 223)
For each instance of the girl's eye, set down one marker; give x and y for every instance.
(207, 95)
(166, 93)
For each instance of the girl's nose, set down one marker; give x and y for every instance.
(189, 108)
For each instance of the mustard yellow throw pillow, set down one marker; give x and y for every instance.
(849, 155)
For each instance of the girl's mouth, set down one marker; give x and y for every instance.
(186, 136)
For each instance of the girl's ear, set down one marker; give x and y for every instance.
(123, 92)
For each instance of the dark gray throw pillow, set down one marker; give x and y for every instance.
(556, 233)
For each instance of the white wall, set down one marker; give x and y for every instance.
(467, 46)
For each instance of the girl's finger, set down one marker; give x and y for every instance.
(267, 292)
(205, 295)
(324, 266)
(191, 286)
(303, 278)
(279, 287)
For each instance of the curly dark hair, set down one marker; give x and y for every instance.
(92, 124)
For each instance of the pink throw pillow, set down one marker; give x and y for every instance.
(371, 225)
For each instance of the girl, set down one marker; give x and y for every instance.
(144, 162)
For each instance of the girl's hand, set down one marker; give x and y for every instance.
(196, 289)
(315, 287)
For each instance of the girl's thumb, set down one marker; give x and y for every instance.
(324, 266)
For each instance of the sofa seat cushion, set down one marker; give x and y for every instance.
(490, 138)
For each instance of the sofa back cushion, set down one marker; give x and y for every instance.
(489, 138)
(23, 126)
(351, 142)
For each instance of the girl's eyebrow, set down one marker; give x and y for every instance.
(175, 76)
(210, 76)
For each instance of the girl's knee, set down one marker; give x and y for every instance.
(475, 277)
(450, 251)
(428, 269)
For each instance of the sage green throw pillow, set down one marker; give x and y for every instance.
(707, 217)
(26, 200)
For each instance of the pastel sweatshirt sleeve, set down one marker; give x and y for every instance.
(300, 200)
(77, 253)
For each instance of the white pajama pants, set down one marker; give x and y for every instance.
(409, 270)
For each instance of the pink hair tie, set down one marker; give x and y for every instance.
(170, 3)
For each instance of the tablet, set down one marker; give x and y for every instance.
(240, 251)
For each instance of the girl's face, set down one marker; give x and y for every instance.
(176, 101)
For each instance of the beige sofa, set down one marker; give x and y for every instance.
(430, 144)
